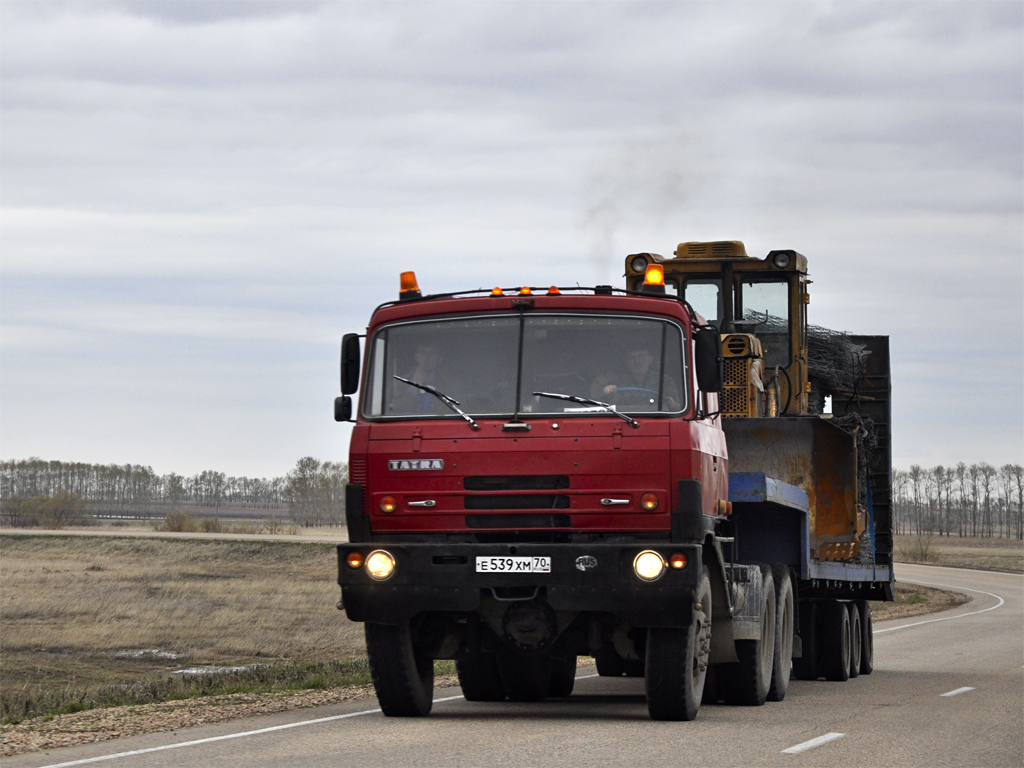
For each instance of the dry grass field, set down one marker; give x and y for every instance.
(982, 554)
(81, 613)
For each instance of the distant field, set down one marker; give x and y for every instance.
(979, 553)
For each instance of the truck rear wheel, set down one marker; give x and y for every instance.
(525, 678)
(746, 682)
(855, 639)
(563, 677)
(782, 665)
(479, 677)
(677, 662)
(867, 638)
(834, 636)
(403, 678)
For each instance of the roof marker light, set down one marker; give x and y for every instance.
(525, 291)
(409, 288)
(553, 291)
(654, 279)
(497, 292)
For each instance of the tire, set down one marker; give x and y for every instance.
(855, 639)
(867, 640)
(609, 664)
(785, 609)
(525, 678)
(747, 681)
(479, 677)
(834, 636)
(806, 666)
(403, 679)
(677, 662)
(563, 677)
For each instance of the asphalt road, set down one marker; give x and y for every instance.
(947, 690)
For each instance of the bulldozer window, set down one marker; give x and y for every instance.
(763, 306)
(705, 296)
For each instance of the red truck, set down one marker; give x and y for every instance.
(537, 474)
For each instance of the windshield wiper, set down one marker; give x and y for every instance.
(587, 401)
(449, 401)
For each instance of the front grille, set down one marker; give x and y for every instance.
(533, 501)
(518, 521)
(517, 483)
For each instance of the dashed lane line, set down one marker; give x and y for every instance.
(958, 691)
(803, 747)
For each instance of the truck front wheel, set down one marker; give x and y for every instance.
(403, 678)
(677, 662)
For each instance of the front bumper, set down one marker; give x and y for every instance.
(584, 578)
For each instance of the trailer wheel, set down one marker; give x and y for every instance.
(403, 678)
(525, 678)
(677, 662)
(867, 638)
(782, 664)
(855, 639)
(479, 677)
(563, 677)
(746, 682)
(834, 634)
(806, 666)
(609, 664)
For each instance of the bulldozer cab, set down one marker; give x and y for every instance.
(759, 307)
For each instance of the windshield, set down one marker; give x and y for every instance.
(636, 365)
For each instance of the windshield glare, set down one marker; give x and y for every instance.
(634, 364)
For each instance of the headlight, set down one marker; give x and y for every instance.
(782, 259)
(388, 505)
(380, 564)
(648, 565)
(638, 264)
(649, 501)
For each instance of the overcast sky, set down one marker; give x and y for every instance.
(199, 198)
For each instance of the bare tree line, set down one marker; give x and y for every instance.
(311, 494)
(964, 500)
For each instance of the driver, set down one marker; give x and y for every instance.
(637, 386)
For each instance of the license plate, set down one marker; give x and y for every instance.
(513, 564)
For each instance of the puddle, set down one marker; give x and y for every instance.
(150, 653)
(212, 670)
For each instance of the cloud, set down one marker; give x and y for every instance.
(215, 184)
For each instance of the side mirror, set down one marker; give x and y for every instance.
(707, 348)
(349, 363)
(343, 408)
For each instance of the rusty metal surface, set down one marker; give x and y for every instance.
(813, 455)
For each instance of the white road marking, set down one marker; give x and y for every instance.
(212, 739)
(257, 732)
(958, 691)
(945, 618)
(813, 743)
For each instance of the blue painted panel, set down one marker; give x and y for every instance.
(757, 487)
